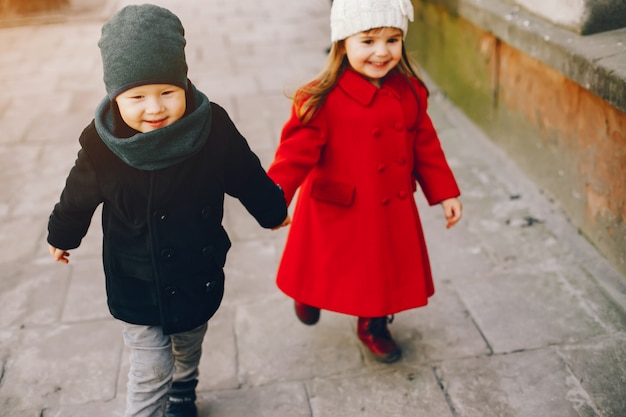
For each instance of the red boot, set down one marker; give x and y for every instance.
(307, 314)
(374, 334)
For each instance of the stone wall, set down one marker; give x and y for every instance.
(581, 16)
(567, 138)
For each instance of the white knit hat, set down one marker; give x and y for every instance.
(348, 17)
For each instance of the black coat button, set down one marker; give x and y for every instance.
(160, 215)
(206, 251)
(206, 212)
(171, 291)
(210, 285)
(167, 253)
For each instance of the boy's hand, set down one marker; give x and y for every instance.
(285, 222)
(59, 255)
(452, 209)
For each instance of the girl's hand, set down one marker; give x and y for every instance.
(452, 209)
(285, 222)
(59, 255)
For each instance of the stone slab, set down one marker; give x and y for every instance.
(31, 297)
(582, 16)
(398, 392)
(62, 365)
(284, 399)
(518, 311)
(274, 346)
(525, 384)
(600, 370)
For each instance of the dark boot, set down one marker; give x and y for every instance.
(373, 333)
(307, 314)
(181, 399)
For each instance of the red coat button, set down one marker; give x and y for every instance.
(376, 133)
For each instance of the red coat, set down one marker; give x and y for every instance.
(356, 244)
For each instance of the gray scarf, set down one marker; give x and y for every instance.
(162, 147)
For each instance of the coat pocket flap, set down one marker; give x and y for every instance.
(333, 192)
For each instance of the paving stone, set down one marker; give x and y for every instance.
(86, 294)
(441, 331)
(274, 346)
(283, 399)
(32, 296)
(525, 384)
(600, 369)
(525, 311)
(397, 392)
(63, 365)
(249, 278)
(114, 408)
(219, 363)
(454, 253)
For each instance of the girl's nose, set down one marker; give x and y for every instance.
(381, 49)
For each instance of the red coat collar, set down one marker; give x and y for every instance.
(363, 91)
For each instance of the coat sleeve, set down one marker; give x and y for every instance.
(300, 149)
(70, 219)
(431, 168)
(245, 178)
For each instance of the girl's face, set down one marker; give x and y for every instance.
(374, 53)
(152, 106)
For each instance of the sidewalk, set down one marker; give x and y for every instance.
(528, 320)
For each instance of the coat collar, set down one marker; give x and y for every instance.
(363, 91)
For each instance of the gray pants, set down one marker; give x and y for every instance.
(155, 362)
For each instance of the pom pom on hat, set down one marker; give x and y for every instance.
(348, 17)
(141, 45)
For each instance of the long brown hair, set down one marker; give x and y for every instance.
(310, 97)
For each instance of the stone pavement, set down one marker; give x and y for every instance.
(528, 319)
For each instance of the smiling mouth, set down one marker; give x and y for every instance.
(156, 122)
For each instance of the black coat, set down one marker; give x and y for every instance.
(164, 247)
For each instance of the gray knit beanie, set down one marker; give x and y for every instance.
(142, 45)
(348, 17)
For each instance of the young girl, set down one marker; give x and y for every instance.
(357, 142)
(159, 156)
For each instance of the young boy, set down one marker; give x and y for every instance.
(159, 156)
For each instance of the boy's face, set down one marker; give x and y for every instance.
(374, 53)
(151, 106)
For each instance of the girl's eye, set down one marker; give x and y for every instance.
(368, 41)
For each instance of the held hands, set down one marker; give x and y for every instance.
(452, 209)
(285, 222)
(59, 255)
